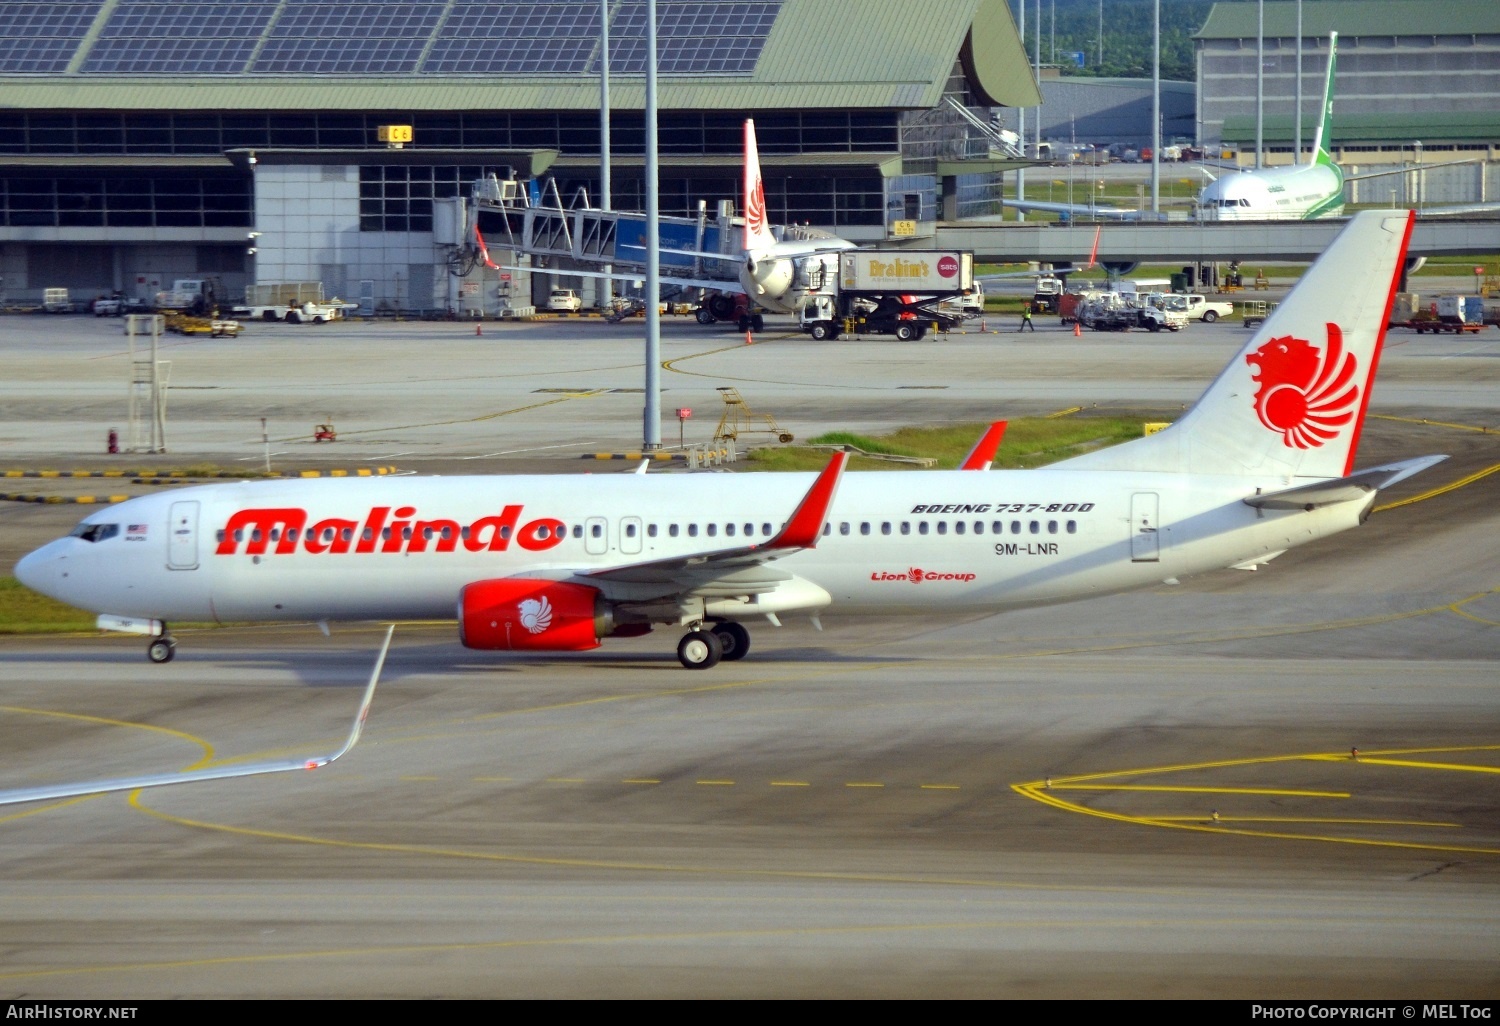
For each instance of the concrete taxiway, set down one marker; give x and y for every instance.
(1149, 795)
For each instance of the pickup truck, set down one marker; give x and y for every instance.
(1199, 308)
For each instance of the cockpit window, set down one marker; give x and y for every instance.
(96, 532)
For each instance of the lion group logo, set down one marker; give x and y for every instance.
(536, 614)
(755, 209)
(1306, 394)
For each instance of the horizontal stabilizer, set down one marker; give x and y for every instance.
(1342, 489)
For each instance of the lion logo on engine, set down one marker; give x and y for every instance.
(1307, 394)
(536, 614)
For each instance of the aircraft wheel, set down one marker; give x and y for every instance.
(733, 638)
(905, 332)
(1209, 316)
(161, 650)
(744, 322)
(700, 650)
(704, 315)
(758, 323)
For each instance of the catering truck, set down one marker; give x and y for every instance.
(891, 292)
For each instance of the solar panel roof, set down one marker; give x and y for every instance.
(381, 37)
(41, 38)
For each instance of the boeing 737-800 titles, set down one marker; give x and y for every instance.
(1263, 462)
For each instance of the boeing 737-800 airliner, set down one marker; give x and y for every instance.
(1263, 462)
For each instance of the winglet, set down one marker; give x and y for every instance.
(982, 456)
(806, 525)
(53, 791)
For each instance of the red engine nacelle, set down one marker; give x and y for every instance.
(529, 615)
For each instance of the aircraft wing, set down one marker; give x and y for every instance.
(49, 792)
(1342, 489)
(1081, 212)
(718, 284)
(1413, 169)
(687, 573)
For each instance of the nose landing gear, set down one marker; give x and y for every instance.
(162, 648)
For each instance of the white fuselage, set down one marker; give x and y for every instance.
(403, 548)
(1287, 193)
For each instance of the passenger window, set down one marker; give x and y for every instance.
(827, 530)
(921, 527)
(958, 527)
(577, 530)
(692, 530)
(749, 530)
(1036, 527)
(765, 529)
(1072, 527)
(650, 530)
(885, 527)
(905, 527)
(998, 527)
(1015, 527)
(672, 530)
(942, 527)
(844, 528)
(713, 530)
(729, 530)
(1052, 527)
(629, 531)
(864, 528)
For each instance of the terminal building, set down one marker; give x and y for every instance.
(1415, 81)
(142, 142)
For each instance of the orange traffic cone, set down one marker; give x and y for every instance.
(1077, 329)
(748, 340)
(479, 327)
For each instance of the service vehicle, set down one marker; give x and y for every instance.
(295, 302)
(197, 296)
(1047, 294)
(56, 301)
(564, 301)
(1123, 311)
(1199, 308)
(890, 292)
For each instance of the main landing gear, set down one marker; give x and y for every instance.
(162, 648)
(701, 649)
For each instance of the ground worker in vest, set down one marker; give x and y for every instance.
(1026, 319)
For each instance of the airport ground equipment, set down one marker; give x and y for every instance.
(1125, 311)
(295, 302)
(738, 419)
(890, 292)
(197, 296)
(56, 301)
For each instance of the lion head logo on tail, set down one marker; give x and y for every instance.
(1306, 394)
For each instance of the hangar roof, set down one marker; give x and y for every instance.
(1355, 18)
(487, 55)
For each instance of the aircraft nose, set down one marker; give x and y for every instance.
(41, 570)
